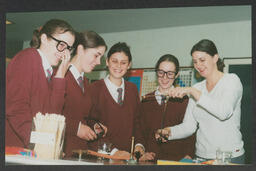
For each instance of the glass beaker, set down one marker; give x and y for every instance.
(104, 147)
(223, 157)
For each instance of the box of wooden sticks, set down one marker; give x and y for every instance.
(48, 135)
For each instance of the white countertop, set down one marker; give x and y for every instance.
(24, 160)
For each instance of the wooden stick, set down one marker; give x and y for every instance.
(132, 145)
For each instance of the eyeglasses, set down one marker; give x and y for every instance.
(169, 74)
(61, 45)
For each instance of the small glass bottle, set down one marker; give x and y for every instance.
(219, 156)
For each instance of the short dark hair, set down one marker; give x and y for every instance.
(50, 27)
(169, 58)
(208, 47)
(89, 39)
(120, 47)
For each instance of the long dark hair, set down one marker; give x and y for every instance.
(50, 27)
(208, 47)
(89, 39)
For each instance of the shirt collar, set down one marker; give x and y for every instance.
(112, 88)
(45, 62)
(157, 94)
(112, 85)
(75, 72)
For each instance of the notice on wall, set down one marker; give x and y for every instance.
(135, 76)
(146, 79)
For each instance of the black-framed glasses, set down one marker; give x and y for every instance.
(169, 74)
(61, 45)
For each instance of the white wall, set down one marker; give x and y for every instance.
(232, 39)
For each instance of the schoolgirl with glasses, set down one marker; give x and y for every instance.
(33, 84)
(159, 112)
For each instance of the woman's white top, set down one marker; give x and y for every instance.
(216, 117)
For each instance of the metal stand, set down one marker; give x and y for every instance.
(131, 160)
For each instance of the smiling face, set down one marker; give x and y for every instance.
(89, 58)
(49, 46)
(204, 63)
(164, 82)
(118, 64)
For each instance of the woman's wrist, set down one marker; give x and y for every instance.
(195, 93)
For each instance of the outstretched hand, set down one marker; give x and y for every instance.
(178, 92)
(122, 154)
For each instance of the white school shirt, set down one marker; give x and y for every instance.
(217, 116)
(76, 74)
(112, 88)
(45, 63)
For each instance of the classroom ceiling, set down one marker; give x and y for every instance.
(107, 21)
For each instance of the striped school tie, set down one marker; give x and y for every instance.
(49, 74)
(81, 82)
(163, 98)
(119, 99)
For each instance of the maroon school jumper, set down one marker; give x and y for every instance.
(152, 114)
(28, 92)
(75, 109)
(121, 120)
